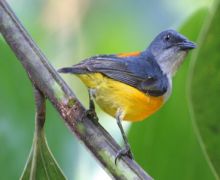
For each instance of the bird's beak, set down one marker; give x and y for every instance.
(186, 45)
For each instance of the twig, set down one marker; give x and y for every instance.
(48, 81)
(40, 103)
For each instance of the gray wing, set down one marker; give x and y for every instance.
(143, 74)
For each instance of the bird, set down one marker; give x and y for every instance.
(132, 86)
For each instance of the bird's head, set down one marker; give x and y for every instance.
(169, 49)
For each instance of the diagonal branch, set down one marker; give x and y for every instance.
(48, 81)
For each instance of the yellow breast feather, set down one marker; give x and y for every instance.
(111, 95)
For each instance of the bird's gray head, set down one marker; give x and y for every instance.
(169, 49)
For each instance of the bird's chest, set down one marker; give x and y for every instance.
(111, 95)
(169, 88)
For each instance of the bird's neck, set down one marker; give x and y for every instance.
(170, 64)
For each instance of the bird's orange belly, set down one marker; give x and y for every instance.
(112, 95)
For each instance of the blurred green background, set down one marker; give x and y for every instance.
(70, 30)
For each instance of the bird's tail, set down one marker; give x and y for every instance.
(72, 70)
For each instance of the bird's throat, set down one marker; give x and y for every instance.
(170, 64)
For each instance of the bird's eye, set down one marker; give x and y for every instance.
(167, 37)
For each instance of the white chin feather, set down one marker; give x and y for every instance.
(170, 61)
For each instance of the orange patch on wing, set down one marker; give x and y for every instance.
(136, 53)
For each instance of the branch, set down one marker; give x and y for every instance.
(40, 103)
(48, 81)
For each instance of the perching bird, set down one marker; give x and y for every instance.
(132, 86)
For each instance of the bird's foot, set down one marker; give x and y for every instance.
(91, 114)
(126, 151)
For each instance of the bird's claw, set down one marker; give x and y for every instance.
(90, 113)
(126, 151)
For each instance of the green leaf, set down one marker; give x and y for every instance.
(41, 163)
(16, 129)
(205, 90)
(165, 144)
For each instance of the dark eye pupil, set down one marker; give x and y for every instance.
(167, 37)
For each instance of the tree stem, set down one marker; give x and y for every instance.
(40, 103)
